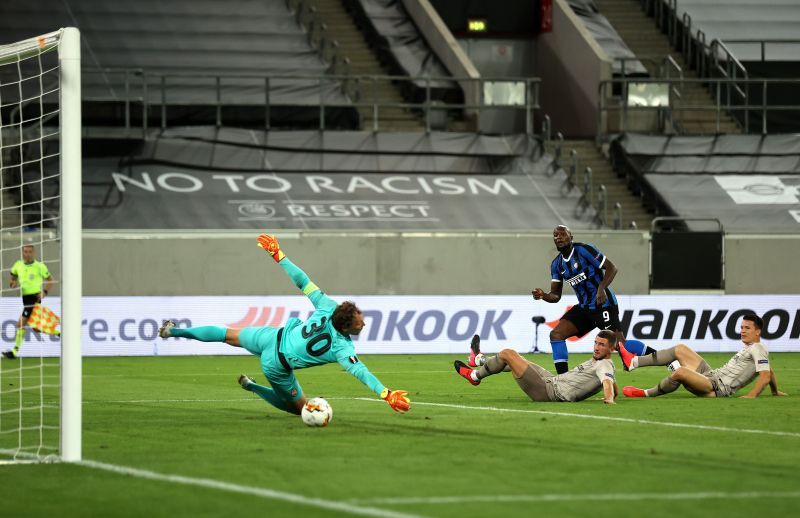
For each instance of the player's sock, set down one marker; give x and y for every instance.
(664, 386)
(18, 340)
(635, 346)
(269, 395)
(493, 365)
(202, 333)
(662, 357)
(560, 355)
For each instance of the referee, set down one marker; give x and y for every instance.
(29, 274)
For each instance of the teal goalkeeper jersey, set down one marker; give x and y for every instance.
(315, 341)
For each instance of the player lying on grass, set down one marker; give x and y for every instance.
(323, 338)
(585, 380)
(696, 376)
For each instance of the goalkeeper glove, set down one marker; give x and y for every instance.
(397, 399)
(270, 245)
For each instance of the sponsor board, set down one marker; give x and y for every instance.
(128, 326)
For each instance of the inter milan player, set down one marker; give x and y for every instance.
(590, 274)
(323, 338)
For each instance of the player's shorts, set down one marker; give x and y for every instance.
(537, 383)
(265, 342)
(28, 301)
(586, 319)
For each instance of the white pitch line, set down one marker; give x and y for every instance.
(703, 495)
(490, 409)
(605, 418)
(271, 494)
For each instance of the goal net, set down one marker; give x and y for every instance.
(40, 249)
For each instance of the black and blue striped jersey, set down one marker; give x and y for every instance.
(583, 270)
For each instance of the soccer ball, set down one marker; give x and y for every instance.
(317, 412)
(480, 359)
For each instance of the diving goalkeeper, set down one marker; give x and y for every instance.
(323, 338)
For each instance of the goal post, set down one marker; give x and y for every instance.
(41, 206)
(71, 243)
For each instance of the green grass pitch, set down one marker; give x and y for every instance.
(461, 451)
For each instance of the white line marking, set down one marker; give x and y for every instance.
(704, 495)
(605, 418)
(490, 409)
(248, 490)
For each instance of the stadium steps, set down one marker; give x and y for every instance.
(652, 47)
(363, 61)
(602, 173)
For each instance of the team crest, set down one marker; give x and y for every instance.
(353, 359)
(294, 392)
(575, 264)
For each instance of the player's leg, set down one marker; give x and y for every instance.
(665, 386)
(285, 394)
(576, 322)
(201, 333)
(491, 365)
(681, 352)
(530, 377)
(474, 350)
(696, 383)
(28, 302)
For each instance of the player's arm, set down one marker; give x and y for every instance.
(13, 280)
(48, 284)
(773, 384)
(553, 296)
(763, 379)
(605, 373)
(763, 368)
(609, 392)
(397, 399)
(299, 277)
(609, 272)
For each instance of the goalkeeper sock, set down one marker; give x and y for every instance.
(664, 386)
(202, 333)
(269, 395)
(493, 365)
(662, 357)
(19, 339)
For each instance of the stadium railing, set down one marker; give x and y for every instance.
(674, 107)
(144, 97)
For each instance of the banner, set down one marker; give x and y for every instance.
(128, 326)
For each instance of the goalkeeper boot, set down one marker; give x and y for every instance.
(474, 350)
(634, 392)
(10, 354)
(465, 372)
(165, 331)
(245, 381)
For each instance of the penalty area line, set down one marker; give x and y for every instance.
(604, 418)
(701, 495)
(272, 494)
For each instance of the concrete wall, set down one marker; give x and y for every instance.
(445, 46)
(501, 58)
(384, 264)
(571, 65)
(750, 261)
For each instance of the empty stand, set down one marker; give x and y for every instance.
(187, 55)
(749, 183)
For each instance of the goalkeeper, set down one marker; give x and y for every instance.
(29, 275)
(323, 338)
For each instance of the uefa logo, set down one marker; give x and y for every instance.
(256, 210)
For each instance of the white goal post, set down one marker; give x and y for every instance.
(40, 82)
